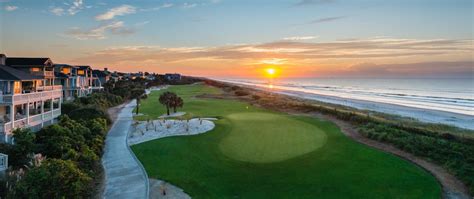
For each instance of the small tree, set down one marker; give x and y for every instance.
(166, 99)
(138, 104)
(53, 179)
(177, 102)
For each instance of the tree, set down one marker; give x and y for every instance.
(24, 147)
(176, 102)
(53, 179)
(138, 104)
(166, 99)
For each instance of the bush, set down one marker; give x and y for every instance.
(53, 179)
(67, 107)
(89, 113)
(242, 93)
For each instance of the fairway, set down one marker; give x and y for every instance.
(257, 153)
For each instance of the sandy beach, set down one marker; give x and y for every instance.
(423, 115)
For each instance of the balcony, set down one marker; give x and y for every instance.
(50, 88)
(31, 97)
(43, 73)
(34, 120)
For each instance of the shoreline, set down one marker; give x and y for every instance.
(420, 114)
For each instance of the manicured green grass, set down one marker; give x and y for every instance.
(281, 139)
(256, 153)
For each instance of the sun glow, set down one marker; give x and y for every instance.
(270, 71)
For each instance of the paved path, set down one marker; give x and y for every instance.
(124, 174)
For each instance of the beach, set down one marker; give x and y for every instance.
(454, 116)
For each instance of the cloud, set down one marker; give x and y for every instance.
(77, 6)
(57, 11)
(163, 6)
(189, 5)
(299, 38)
(379, 56)
(314, 2)
(117, 11)
(326, 19)
(10, 8)
(116, 28)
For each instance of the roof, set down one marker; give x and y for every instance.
(63, 66)
(9, 73)
(84, 67)
(60, 75)
(23, 61)
(100, 73)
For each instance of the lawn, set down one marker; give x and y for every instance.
(256, 153)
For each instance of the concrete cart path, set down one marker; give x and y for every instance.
(124, 174)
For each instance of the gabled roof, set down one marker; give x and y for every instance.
(9, 73)
(100, 73)
(60, 75)
(84, 67)
(62, 66)
(26, 61)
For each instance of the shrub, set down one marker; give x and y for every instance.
(242, 93)
(53, 179)
(89, 113)
(67, 107)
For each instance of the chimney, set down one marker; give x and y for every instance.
(3, 59)
(106, 69)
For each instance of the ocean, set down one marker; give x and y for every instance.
(435, 100)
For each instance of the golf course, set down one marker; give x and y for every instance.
(257, 153)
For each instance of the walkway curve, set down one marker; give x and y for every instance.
(125, 176)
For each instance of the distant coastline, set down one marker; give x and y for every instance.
(423, 115)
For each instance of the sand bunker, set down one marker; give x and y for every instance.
(143, 131)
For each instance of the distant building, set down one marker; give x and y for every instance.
(101, 77)
(173, 76)
(29, 95)
(84, 80)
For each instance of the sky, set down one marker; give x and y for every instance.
(242, 38)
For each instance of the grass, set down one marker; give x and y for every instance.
(256, 153)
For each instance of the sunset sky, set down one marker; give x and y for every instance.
(230, 38)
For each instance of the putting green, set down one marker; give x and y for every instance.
(266, 137)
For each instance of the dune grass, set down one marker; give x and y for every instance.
(256, 153)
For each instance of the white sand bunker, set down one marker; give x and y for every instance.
(146, 131)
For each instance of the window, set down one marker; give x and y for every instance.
(80, 72)
(66, 70)
(35, 69)
(17, 87)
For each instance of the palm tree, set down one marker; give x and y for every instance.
(138, 104)
(166, 99)
(177, 102)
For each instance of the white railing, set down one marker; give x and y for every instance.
(31, 97)
(33, 121)
(49, 73)
(51, 88)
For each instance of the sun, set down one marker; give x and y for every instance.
(270, 71)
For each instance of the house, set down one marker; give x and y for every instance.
(173, 76)
(29, 97)
(101, 77)
(84, 80)
(66, 75)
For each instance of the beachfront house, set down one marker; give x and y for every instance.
(29, 97)
(101, 77)
(84, 81)
(173, 76)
